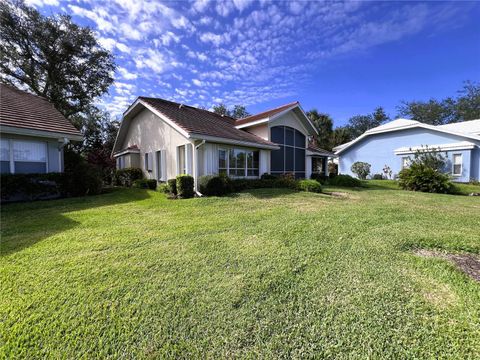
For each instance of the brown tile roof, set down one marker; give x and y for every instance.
(202, 122)
(23, 110)
(265, 114)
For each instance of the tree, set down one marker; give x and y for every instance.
(53, 57)
(324, 124)
(237, 112)
(361, 169)
(341, 135)
(360, 123)
(466, 106)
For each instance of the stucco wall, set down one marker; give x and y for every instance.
(151, 134)
(378, 150)
(260, 130)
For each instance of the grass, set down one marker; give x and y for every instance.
(261, 274)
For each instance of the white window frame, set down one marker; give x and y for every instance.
(11, 154)
(453, 164)
(245, 168)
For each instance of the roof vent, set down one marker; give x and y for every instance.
(180, 106)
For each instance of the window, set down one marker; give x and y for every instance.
(238, 162)
(181, 160)
(317, 165)
(121, 162)
(290, 158)
(4, 156)
(159, 165)
(148, 162)
(457, 164)
(405, 162)
(29, 157)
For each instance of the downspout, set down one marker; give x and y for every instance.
(195, 167)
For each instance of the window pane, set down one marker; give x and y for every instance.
(232, 172)
(289, 137)
(222, 171)
(240, 155)
(277, 159)
(232, 160)
(29, 151)
(457, 169)
(4, 150)
(25, 167)
(256, 159)
(4, 167)
(250, 159)
(300, 159)
(277, 134)
(288, 159)
(240, 172)
(299, 139)
(253, 172)
(222, 159)
(457, 159)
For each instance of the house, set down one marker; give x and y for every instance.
(32, 133)
(166, 139)
(394, 144)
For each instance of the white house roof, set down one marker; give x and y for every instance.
(462, 145)
(403, 124)
(468, 127)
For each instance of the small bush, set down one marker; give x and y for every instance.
(321, 178)
(126, 177)
(344, 180)
(81, 178)
(419, 177)
(378, 177)
(145, 184)
(172, 186)
(309, 186)
(361, 169)
(211, 185)
(268, 177)
(185, 186)
(164, 188)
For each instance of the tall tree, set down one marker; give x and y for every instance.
(237, 112)
(341, 135)
(52, 57)
(324, 124)
(464, 107)
(358, 124)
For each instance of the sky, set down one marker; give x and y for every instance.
(342, 58)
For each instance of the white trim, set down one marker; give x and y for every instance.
(463, 145)
(232, 142)
(40, 133)
(453, 164)
(126, 151)
(253, 123)
(405, 127)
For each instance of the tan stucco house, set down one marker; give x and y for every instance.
(166, 139)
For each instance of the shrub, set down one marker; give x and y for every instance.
(164, 188)
(332, 169)
(145, 184)
(211, 185)
(172, 186)
(81, 178)
(378, 177)
(28, 187)
(126, 177)
(309, 186)
(344, 180)
(419, 177)
(361, 169)
(185, 185)
(268, 177)
(387, 170)
(430, 158)
(321, 178)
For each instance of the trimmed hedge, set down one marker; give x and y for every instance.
(211, 185)
(344, 180)
(126, 177)
(145, 184)
(322, 179)
(172, 186)
(185, 186)
(310, 186)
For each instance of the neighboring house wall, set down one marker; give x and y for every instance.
(378, 150)
(475, 164)
(152, 134)
(32, 154)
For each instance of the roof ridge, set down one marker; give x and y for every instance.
(273, 109)
(11, 87)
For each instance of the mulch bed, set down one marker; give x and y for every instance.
(468, 263)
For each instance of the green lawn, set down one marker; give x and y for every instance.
(262, 274)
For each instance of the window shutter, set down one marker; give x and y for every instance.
(163, 165)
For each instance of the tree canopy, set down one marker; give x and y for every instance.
(324, 124)
(237, 112)
(53, 57)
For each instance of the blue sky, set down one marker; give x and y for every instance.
(343, 58)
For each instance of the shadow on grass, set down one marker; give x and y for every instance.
(25, 224)
(265, 193)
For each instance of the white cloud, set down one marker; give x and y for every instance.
(152, 59)
(215, 39)
(102, 23)
(197, 82)
(129, 32)
(127, 75)
(200, 5)
(168, 37)
(41, 3)
(122, 47)
(242, 4)
(224, 7)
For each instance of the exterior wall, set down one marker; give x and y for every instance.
(54, 150)
(152, 134)
(378, 150)
(291, 120)
(475, 164)
(260, 130)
